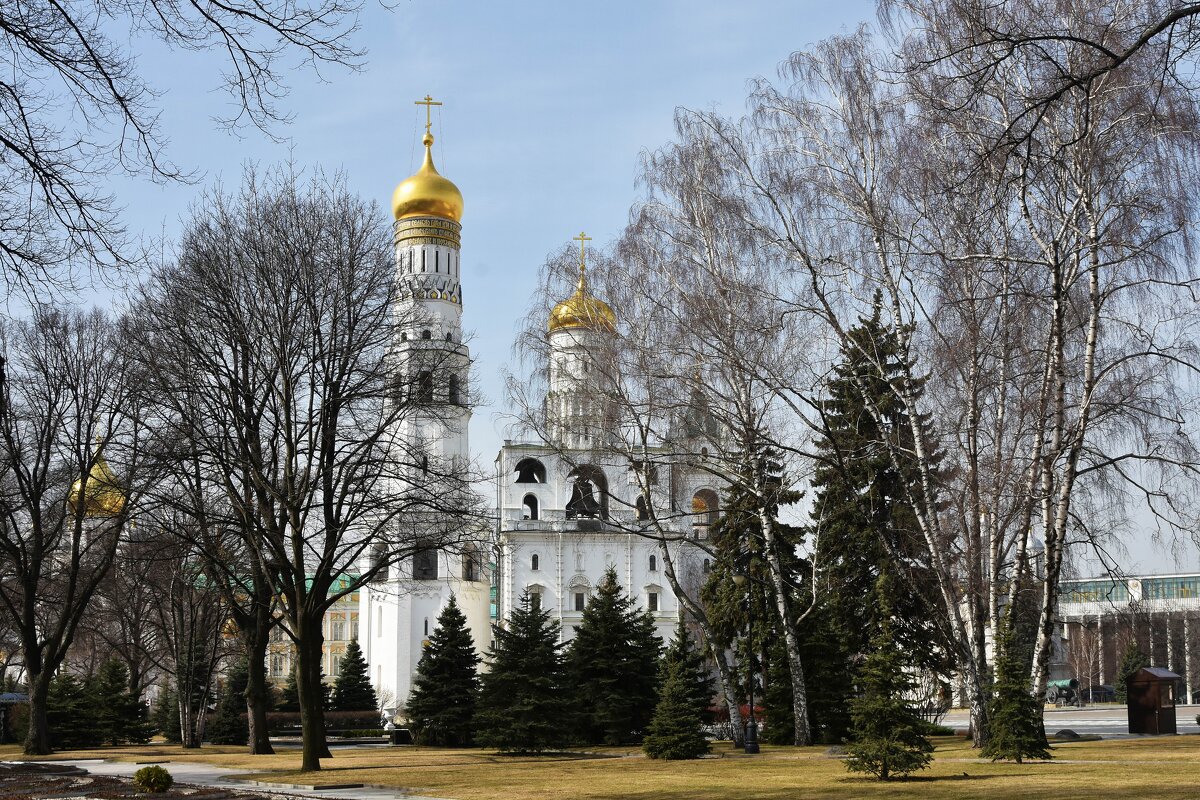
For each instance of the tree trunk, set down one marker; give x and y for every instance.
(311, 694)
(802, 734)
(37, 739)
(257, 695)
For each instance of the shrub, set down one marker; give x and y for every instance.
(152, 780)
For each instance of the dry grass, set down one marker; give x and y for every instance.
(1158, 768)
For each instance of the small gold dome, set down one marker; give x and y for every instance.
(582, 310)
(104, 496)
(427, 194)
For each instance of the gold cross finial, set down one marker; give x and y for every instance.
(583, 239)
(429, 103)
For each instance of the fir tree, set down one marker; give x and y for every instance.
(739, 547)
(119, 716)
(441, 706)
(289, 696)
(1132, 660)
(685, 693)
(1015, 714)
(611, 667)
(229, 725)
(165, 717)
(887, 733)
(523, 703)
(71, 713)
(353, 691)
(866, 483)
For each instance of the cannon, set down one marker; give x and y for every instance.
(1064, 692)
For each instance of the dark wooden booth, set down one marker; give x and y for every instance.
(1151, 700)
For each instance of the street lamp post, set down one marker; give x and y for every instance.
(752, 726)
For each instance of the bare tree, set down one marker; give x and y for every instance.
(271, 356)
(64, 399)
(74, 109)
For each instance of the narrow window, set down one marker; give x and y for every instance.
(470, 571)
(533, 562)
(653, 598)
(535, 598)
(425, 386)
(437, 261)
(580, 600)
(425, 564)
(427, 626)
(404, 336)
(529, 507)
(654, 563)
(707, 566)
(447, 336)
(455, 392)
(423, 261)
(426, 334)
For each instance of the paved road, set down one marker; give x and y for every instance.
(1108, 720)
(206, 775)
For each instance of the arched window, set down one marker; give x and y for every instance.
(533, 562)
(707, 566)
(426, 334)
(654, 563)
(455, 390)
(535, 596)
(529, 507)
(447, 336)
(471, 564)
(589, 493)
(530, 470)
(424, 386)
(641, 512)
(705, 510)
(404, 336)
(425, 564)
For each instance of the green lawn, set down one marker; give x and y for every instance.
(1160, 768)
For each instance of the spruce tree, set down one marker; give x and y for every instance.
(866, 483)
(738, 545)
(119, 716)
(229, 725)
(887, 733)
(72, 713)
(1015, 713)
(685, 693)
(165, 717)
(612, 666)
(523, 702)
(1132, 660)
(289, 696)
(353, 691)
(441, 706)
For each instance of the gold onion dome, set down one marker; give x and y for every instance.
(103, 497)
(582, 310)
(427, 194)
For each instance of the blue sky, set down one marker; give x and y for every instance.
(547, 108)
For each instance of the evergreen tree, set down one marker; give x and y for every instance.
(229, 725)
(685, 693)
(1015, 713)
(165, 717)
(119, 716)
(611, 667)
(71, 713)
(739, 547)
(353, 691)
(441, 706)
(866, 483)
(289, 696)
(1132, 660)
(523, 703)
(887, 732)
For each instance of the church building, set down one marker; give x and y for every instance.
(567, 508)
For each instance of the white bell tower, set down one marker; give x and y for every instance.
(397, 613)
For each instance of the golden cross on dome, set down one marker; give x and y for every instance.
(429, 103)
(583, 239)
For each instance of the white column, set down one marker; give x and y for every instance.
(1100, 646)
(1187, 656)
(1150, 632)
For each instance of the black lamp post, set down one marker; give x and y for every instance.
(752, 726)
